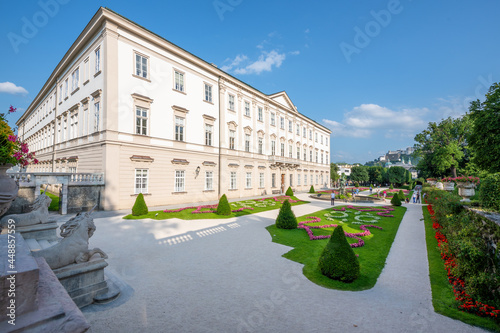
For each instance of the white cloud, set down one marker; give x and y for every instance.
(11, 88)
(233, 63)
(367, 119)
(265, 63)
(307, 31)
(295, 52)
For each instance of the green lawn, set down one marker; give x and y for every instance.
(54, 205)
(269, 204)
(372, 255)
(443, 298)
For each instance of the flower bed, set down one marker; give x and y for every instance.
(466, 303)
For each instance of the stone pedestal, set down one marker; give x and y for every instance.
(439, 186)
(466, 190)
(85, 282)
(42, 304)
(47, 231)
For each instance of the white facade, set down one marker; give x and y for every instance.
(160, 121)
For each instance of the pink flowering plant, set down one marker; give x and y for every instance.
(12, 149)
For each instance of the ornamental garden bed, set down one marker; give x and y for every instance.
(238, 208)
(447, 296)
(391, 193)
(370, 231)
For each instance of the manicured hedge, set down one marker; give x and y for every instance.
(289, 191)
(223, 207)
(286, 218)
(140, 207)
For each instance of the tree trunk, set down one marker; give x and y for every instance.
(453, 171)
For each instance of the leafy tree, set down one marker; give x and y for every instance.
(484, 138)
(489, 192)
(334, 175)
(375, 174)
(223, 207)
(359, 174)
(407, 177)
(286, 218)
(338, 261)
(289, 191)
(396, 175)
(441, 146)
(140, 207)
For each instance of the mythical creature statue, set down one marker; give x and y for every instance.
(74, 246)
(39, 213)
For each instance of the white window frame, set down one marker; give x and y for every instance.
(179, 181)
(260, 146)
(298, 179)
(97, 54)
(230, 102)
(273, 180)
(262, 179)
(247, 143)
(291, 179)
(290, 151)
(232, 180)
(232, 140)
(140, 181)
(282, 123)
(248, 180)
(139, 70)
(179, 129)
(305, 179)
(97, 115)
(290, 126)
(209, 130)
(282, 152)
(143, 117)
(207, 93)
(209, 180)
(260, 114)
(179, 81)
(75, 79)
(273, 119)
(247, 108)
(273, 147)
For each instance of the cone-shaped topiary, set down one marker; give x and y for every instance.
(223, 207)
(395, 201)
(289, 192)
(140, 207)
(286, 218)
(391, 187)
(356, 184)
(338, 261)
(311, 190)
(402, 196)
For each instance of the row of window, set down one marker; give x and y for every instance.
(142, 180)
(141, 70)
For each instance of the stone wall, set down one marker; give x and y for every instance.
(84, 197)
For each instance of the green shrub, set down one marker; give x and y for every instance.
(489, 193)
(356, 184)
(391, 187)
(140, 207)
(338, 261)
(223, 207)
(286, 218)
(401, 195)
(311, 190)
(395, 201)
(289, 191)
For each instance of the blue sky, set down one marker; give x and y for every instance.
(375, 72)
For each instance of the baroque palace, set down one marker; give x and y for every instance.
(156, 119)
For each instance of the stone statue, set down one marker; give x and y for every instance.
(74, 247)
(39, 213)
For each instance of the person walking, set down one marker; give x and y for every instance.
(413, 197)
(385, 195)
(332, 197)
(418, 197)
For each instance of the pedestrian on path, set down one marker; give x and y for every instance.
(385, 195)
(413, 197)
(418, 197)
(332, 196)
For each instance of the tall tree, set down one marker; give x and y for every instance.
(334, 175)
(484, 138)
(442, 145)
(375, 174)
(396, 175)
(359, 174)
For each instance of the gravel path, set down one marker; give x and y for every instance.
(227, 276)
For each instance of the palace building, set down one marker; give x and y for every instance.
(158, 120)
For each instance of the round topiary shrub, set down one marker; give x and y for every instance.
(402, 196)
(223, 207)
(395, 201)
(289, 191)
(311, 190)
(489, 192)
(286, 218)
(391, 187)
(140, 207)
(338, 261)
(356, 184)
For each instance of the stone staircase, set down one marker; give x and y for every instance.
(37, 245)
